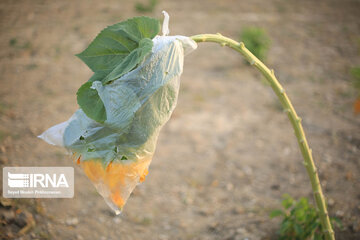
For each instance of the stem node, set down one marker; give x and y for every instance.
(272, 72)
(286, 110)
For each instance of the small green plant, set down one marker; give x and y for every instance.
(300, 220)
(16, 44)
(13, 42)
(144, 8)
(355, 73)
(257, 41)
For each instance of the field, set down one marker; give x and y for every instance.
(228, 153)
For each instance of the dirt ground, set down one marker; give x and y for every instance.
(227, 154)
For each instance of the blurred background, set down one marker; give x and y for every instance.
(228, 153)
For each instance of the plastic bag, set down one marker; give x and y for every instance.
(115, 155)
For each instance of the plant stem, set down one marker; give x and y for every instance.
(293, 117)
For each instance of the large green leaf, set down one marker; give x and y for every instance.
(98, 76)
(91, 103)
(116, 42)
(117, 50)
(131, 60)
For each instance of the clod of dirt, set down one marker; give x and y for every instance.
(72, 221)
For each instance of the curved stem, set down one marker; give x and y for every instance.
(294, 119)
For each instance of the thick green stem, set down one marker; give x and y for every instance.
(294, 119)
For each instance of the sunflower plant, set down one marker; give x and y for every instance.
(132, 94)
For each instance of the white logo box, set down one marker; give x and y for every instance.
(38, 182)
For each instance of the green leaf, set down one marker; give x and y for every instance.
(300, 215)
(287, 202)
(298, 229)
(98, 76)
(318, 236)
(90, 102)
(314, 226)
(285, 226)
(303, 203)
(116, 42)
(131, 61)
(276, 213)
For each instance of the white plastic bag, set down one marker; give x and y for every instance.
(115, 155)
